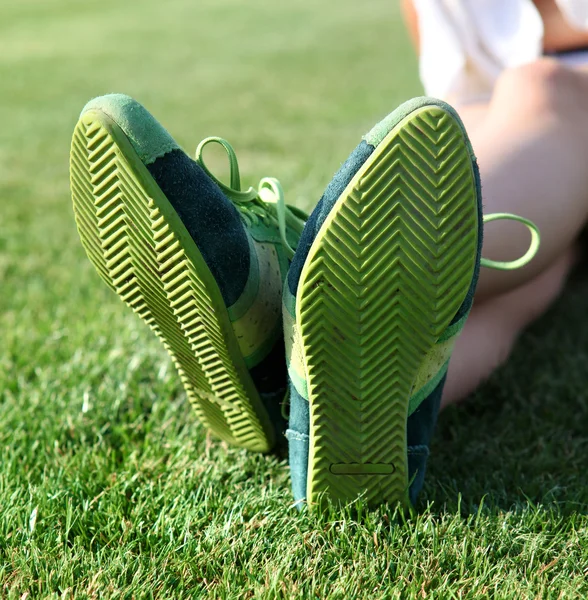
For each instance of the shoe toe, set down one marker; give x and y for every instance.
(148, 137)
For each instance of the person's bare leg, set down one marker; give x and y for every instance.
(493, 327)
(531, 142)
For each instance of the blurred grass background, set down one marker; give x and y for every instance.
(108, 486)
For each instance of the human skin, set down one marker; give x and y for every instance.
(531, 142)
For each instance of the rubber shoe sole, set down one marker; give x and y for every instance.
(385, 276)
(142, 250)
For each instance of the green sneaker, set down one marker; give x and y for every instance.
(380, 287)
(202, 263)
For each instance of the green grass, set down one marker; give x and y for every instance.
(108, 486)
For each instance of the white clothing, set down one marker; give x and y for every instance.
(466, 44)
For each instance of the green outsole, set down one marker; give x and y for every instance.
(388, 271)
(141, 249)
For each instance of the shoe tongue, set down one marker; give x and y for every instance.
(149, 139)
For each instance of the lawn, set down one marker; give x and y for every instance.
(108, 485)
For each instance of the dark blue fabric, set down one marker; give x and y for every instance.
(270, 377)
(210, 218)
(419, 431)
(298, 442)
(337, 186)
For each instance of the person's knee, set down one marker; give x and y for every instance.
(543, 89)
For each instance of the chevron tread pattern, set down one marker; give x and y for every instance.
(140, 257)
(385, 276)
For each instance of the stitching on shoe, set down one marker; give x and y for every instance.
(297, 436)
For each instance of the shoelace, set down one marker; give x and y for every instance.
(266, 203)
(527, 257)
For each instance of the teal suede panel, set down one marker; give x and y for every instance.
(298, 443)
(149, 139)
(419, 432)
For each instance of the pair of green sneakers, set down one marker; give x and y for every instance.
(358, 305)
